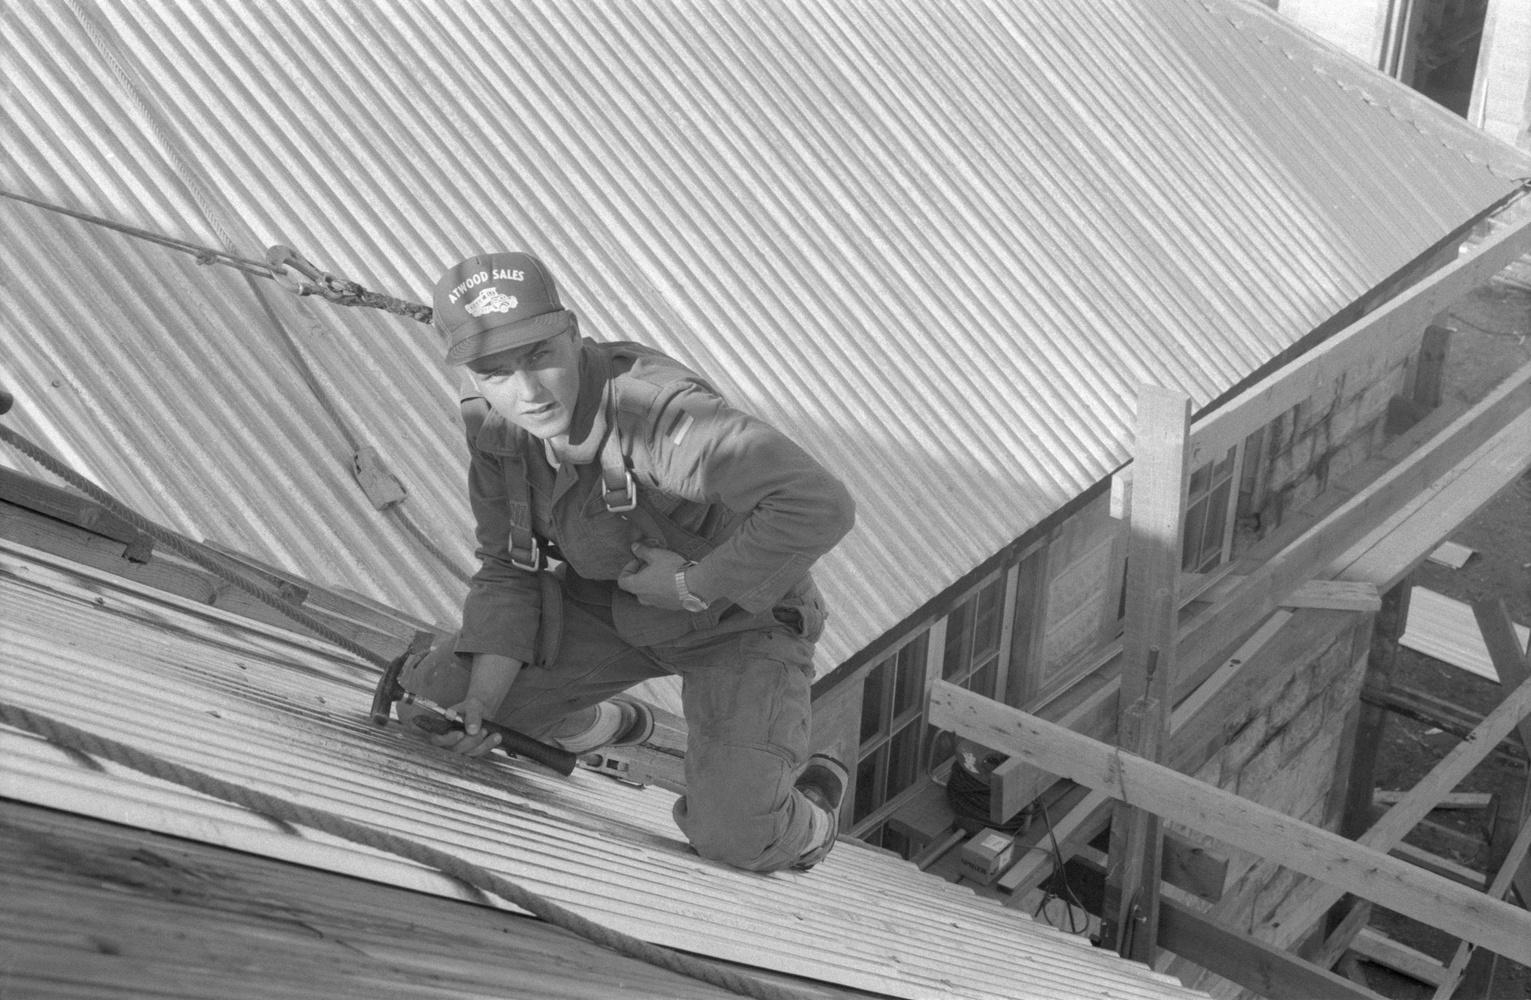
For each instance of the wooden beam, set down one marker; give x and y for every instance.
(1071, 830)
(1332, 595)
(1130, 921)
(1513, 665)
(74, 508)
(1456, 800)
(1297, 555)
(1233, 954)
(1375, 946)
(170, 574)
(1332, 947)
(1403, 540)
(1261, 665)
(1503, 878)
(1390, 331)
(1419, 857)
(1382, 659)
(1302, 847)
(1210, 638)
(1443, 715)
(1396, 823)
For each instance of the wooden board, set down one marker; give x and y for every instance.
(1302, 847)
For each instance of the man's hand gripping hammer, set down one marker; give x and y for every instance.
(442, 720)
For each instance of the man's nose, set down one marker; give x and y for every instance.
(523, 382)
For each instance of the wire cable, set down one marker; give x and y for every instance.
(95, 746)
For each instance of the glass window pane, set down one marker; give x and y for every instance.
(982, 681)
(954, 657)
(1190, 544)
(1224, 468)
(1217, 519)
(872, 697)
(868, 789)
(903, 759)
(1199, 481)
(943, 745)
(911, 678)
(988, 627)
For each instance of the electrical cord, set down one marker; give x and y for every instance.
(1060, 876)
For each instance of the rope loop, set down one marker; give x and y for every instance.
(284, 261)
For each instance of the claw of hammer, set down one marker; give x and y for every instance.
(388, 689)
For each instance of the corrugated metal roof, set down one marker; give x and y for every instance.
(93, 909)
(941, 244)
(277, 714)
(1448, 630)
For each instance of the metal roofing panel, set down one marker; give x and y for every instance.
(1448, 630)
(279, 715)
(96, 909)
(941, 244)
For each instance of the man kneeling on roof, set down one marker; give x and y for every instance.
(685, 530)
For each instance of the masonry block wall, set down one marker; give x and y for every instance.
(1290, 752)
(1319, 439)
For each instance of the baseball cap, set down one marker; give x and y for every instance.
(494, 302)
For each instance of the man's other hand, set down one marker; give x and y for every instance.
(650, 576)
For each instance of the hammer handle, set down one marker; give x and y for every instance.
(523, 745)
(511, 741)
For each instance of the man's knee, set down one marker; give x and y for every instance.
(737, 837)
(441, 675)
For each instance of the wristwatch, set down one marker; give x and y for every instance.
(688, 600)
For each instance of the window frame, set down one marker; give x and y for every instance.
(868, 824)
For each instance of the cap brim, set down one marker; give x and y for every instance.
(494, 339)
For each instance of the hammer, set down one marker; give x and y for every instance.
(444, 720)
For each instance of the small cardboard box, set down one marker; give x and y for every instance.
(987, 854)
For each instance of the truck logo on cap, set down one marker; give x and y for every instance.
(490, 300)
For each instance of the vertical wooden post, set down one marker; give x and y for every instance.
(1361, 780)
(1507, 849)
(1430, 367)
(1131, 910)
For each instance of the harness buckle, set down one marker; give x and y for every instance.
(627, 502)
(538, 558)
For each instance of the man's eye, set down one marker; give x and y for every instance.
(495, 378)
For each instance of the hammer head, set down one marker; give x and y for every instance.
(388, 689)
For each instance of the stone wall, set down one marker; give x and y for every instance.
(1289, 752)
(1319, 439)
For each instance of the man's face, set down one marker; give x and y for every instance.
(535, 386)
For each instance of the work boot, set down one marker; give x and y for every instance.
(619, 722)
(823, 783)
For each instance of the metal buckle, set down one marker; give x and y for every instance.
(632, 496)
(537, 558)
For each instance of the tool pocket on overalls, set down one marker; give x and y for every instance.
(803, 612)
(550, 622)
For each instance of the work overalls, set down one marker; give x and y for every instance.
(688, 473)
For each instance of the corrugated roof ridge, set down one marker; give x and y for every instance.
(1409, 114)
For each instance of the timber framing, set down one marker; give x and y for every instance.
(1233, 639)
(65, 524)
